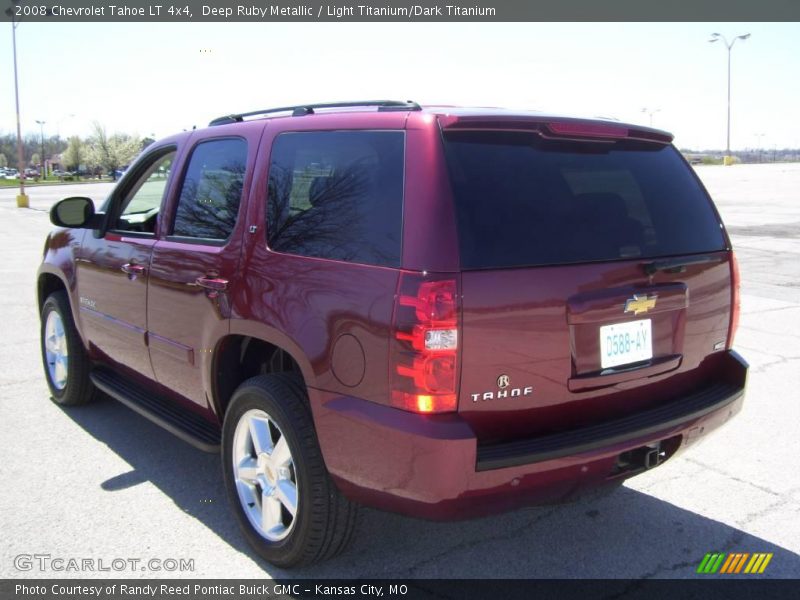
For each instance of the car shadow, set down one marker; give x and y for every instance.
(628, 534)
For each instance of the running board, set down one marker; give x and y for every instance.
(189, 427)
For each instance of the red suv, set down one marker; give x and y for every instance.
(437, 311)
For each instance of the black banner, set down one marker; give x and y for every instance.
(709, 588)
(65, 11)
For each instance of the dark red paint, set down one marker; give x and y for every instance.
(164, 322)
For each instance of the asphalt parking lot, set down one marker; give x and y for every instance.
(101, 482)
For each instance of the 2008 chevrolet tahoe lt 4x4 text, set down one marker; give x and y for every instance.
(437, 311)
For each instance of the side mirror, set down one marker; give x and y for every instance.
(76, 212)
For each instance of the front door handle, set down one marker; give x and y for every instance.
(214, 285)
(133, 270)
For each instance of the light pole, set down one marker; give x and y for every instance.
(760, 138)
(43, 158)
(651, 112)
(715, 37)
(22, 198)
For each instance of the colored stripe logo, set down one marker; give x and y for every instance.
(734, 563)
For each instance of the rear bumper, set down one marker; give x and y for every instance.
(433, 467)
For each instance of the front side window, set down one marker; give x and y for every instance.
(337, 195)
(140, 205)
(212, 190)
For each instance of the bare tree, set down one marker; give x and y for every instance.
(209, 203)
(333, 224)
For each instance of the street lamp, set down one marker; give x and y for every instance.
(651, 112)
(715, 37)
(42, 158)
(22, 198)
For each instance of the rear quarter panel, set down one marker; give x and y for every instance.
(333, 317)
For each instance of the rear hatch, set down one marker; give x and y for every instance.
(596, 277)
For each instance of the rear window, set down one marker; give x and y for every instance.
(212, 190)
(525, 201)
(337, 195)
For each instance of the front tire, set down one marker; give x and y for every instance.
(286, 504)
(66, 365)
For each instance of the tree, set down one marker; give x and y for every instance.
(75, 154)
(36, 159)
(111, 151)
(3, 161)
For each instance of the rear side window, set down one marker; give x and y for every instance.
(525, 201)
(212, 190)
(337, 195)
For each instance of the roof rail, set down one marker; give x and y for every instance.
(308, 109)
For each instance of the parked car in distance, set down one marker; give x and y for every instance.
(64, 175)
(117, 173)
(442, 312)
(11, 174)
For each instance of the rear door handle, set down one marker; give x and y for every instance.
(214, 285)
(133, 270)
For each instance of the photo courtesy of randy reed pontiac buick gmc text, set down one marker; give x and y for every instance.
(249, 590)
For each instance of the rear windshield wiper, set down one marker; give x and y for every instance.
(677, 265)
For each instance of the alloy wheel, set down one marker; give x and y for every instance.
(265, 476)
(56, 353)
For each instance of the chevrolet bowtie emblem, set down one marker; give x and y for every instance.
(639, 304)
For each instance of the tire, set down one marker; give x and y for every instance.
(271, 461)
(66, 365)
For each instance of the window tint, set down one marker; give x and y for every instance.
(337, 195)
(212, 190)
(524, 201)
(142, 202)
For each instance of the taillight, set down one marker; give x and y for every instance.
(735, 299)
(584, 129)
(589, 130)
(424, 355)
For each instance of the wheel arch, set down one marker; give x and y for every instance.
(47, 283)
(50, 280)
(251, 351)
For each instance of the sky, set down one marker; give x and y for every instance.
(156, 79)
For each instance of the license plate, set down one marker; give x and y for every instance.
(624, 343)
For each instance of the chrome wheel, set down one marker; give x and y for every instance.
(56, 353)
(265, 475)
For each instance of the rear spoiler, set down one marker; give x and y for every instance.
(556, 128)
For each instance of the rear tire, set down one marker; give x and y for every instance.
(289, 510)
(66, 365)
